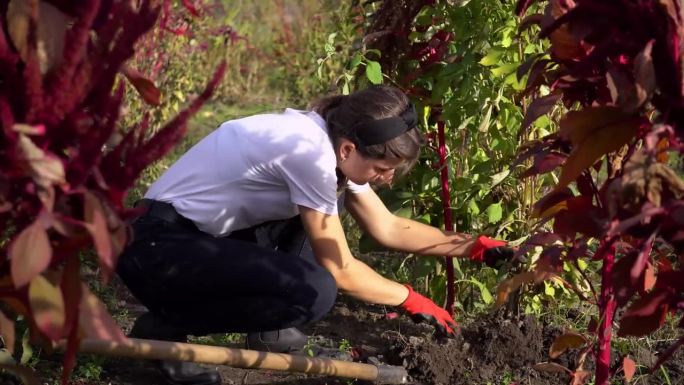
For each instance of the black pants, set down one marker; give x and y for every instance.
(262, 278)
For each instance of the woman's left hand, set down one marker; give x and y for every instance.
(421, 308)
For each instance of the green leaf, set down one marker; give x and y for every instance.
(505, 69)
(549, 289)
(492, 57)
(500, 176)
(486, 295)
(461, 184)
(494, 212)
(484, 292)
(26, 349)
(472, 207)
(6, 357)
(374, 72)
(345, 88)
(484, 123)
(404, 212)
(355, 61)
(424, 219)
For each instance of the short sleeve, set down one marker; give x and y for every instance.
(357, 188)
(309, 172)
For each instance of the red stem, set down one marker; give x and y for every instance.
(446, 204)
(607, 307)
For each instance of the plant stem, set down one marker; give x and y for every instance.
(607, 307)
(446, 205)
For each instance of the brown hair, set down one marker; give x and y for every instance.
(344, 112)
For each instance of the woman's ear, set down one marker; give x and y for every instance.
(347, 147)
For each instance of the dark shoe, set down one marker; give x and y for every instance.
(288, 340)
(151, 326)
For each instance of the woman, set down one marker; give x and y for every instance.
(242, 233)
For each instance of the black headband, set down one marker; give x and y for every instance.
(380, 131)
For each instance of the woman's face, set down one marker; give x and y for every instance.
(360, 169)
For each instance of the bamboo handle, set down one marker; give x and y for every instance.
(241, 358)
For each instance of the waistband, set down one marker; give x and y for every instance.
(166, 212)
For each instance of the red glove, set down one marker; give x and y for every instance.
(489, 251)
(422, 309)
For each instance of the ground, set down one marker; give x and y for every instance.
(490, 351)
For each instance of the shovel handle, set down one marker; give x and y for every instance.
(241, 358)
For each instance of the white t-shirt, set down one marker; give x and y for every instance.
(253, 170)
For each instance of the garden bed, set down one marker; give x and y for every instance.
(492, 350)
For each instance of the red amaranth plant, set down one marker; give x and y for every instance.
(617, 66)
(60, 191)
(389, 33)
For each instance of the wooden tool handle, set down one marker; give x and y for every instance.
(241, 358)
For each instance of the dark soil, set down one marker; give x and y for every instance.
(492, 350)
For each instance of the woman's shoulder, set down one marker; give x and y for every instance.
(290, 123)
(300, 136)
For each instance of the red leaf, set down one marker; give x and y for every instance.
(645, 315)
(95, 321)
(536, 76)
(96, 224)
(623, 90)
(563, 342)
(145, 87)
(544, 163)
(538, 107)
(594, 132)
(45, 168)
(541, 273)
(537, 239)
(564, 45)
(30, 253)
(648, 279)
(644, 74)
(580, 216)
(642, 261)
(629, 367)
(551, 203)
(47, 307)
(551, 367)
(190, 7)
(664, 264)
(580, 377)
(622, 285)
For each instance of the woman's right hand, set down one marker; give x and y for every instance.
(422, 309)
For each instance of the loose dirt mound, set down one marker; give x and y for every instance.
(492, 350)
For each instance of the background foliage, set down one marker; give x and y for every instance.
(486, 83)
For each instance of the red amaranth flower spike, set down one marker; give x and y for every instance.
(60, 97)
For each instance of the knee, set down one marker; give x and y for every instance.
(325, 289)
